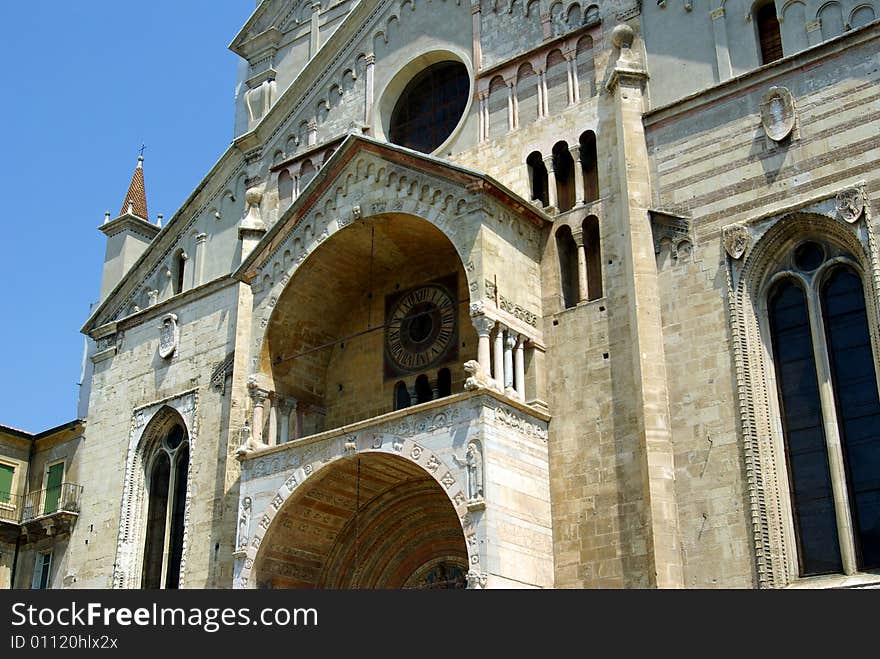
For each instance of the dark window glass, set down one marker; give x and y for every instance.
(590, 165)
(809, 256)
(568, 266)
(538, 177)
(155, 541)
(424, 393)
(175, 546)
(401, 396)
(594, 257)
(444, 382)
(858, 406)
(809, 476)
(563, 168)
(768, 34)
(430, 107)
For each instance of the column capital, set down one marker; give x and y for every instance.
(370, 59)
(483, 324)
(201, 238)
(512, 339)
(716, 14)
(578, 236)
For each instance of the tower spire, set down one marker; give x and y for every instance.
(135, 202)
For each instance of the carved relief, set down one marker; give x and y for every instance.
(520, 424)
(851, 204)
(244, 522)
(736, 240)
(169, 336)
(778, 113)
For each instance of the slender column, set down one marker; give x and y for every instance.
(574, 78)
(315, 37)
(551, 182)
(583, 293)
(511, 120)
(836, 463)
(519, 368)
(509, 344)
(477, 41)
(540, 76)
(258, 397)
(199, 275)
(570, 76)
(515, 107)
(284, 414)
(413, 394)
(722, 54)
(369, 85)
(297, 420)
(580, 193)
(545, 95)
(313, 132)
(814, 33)
(484, 326)
(498, 355)
(483, 128)
(272, 438)
(486, 115)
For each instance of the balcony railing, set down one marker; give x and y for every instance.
(10, 507)
(62, 499)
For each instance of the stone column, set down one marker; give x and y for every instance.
(540, 75)
(199, 274)
(477, 40)
(258, 398)
(552, 192)
(583, 293)
(570, 79)
(484, 129)
(486, 115)
(297, 419)
(814, 33)
(650, 398)
(722, 54)
(498, 355)
(313, 132)
(574, 78)
(272, 431)
(484, 326)
(369, 85)
(545, 95)
(315, 37)
(284, 414)
(579, 192)
(509, 344)
(511, 120)
(519, 368)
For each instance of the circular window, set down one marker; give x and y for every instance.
(809, 256)
(430, 107)
(174, 438)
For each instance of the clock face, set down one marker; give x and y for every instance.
(420, 329)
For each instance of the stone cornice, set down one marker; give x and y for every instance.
(132, 223)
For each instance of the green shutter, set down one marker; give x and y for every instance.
(53, 487)
(6, 473)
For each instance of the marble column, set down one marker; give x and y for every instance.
(552, 192)
(484, 326)
(583, 292)
(369, 84)
(315, 37)
(519, 368)
(511, 120)
(580, 193)
(509, 345)
(258, 398)
(272, 431)
(498, 355)
(284, 420)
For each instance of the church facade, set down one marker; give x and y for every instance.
(492, 294)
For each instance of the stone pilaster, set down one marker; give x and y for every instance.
(646, 335)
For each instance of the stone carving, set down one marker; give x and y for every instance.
(777, 113)
(473, 465)
(525, 427)
(478, 378)
(248, 443)
(222, 371)
(736, 240)
(244, 522)
(476, 580)
(851, 204)
(169, 336)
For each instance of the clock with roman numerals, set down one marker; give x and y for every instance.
(420, 329)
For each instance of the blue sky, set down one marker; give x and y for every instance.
(87, 83)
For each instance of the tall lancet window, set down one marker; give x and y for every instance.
(829, 409)
(166, 491)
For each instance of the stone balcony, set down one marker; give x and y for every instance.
(42, 512)
(486, 452)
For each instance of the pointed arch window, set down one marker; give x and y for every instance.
(829, 409)
(166, 493)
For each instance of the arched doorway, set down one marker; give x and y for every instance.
(373, 520)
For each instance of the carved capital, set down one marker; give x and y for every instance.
(717, 14)
(483, 324)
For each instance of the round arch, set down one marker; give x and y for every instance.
(375, 519)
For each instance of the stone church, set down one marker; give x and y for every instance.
(491, 294)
